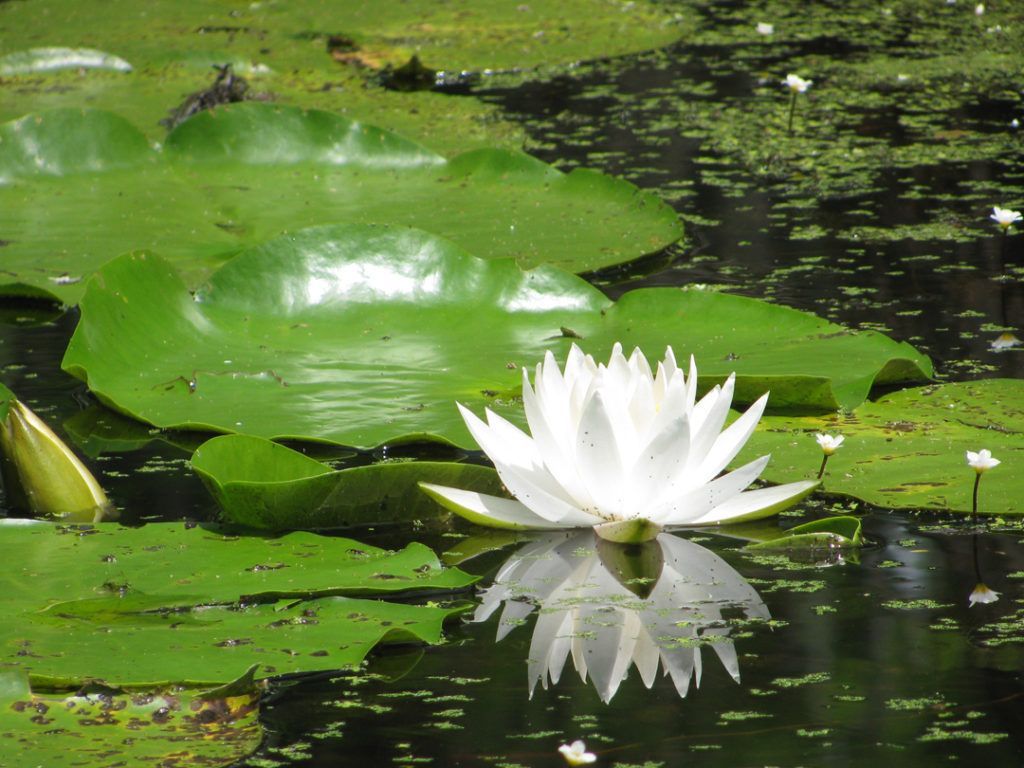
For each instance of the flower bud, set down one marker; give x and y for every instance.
(43, 473)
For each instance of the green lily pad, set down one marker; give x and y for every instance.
(907, 450)
(264, 485)
(163, 730)
(313, 54)
(166, 604)
(840, 532)
(362, 335)
(80, 187)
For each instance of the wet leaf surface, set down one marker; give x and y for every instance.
(82, 187)
(363, 335)
(172, 604)
(906, 451)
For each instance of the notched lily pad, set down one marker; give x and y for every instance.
(79, 187)
(165, 604)
(361, 335)
(907, 450)
(110, 728)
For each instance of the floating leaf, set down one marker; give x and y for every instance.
(363, 335)
(166, 604)
(829, 533)
(80, 187)
(906, 451)
(55, 58)
(112, 729)
(264, 485)
(313, 54)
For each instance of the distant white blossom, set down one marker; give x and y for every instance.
(1004, 341)
(829, 443)
(982, 594)
(576, 753)
(982, 461)
(1004, 217)
(979, 9)
(796, 83)
(764, 28)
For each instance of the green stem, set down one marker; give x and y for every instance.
(792, 109)
(974, 500)
(821, 470)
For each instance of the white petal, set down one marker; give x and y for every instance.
(557, 450)
(598, 458)
(753, 505)
(497, 450)
(493, 511)
(529, 482)
(708, 420)
(731, 441)
(695, 504)
(661, 460)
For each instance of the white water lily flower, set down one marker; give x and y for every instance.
(576, 753)
(1004, 341)
(1004, 217)
(764, 28)
(982, 461)
(796, 83)
(982, 594)
(829, 443)
(620, 449)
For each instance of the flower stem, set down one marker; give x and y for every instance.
(821, 470)
(974, 499)
(792, 109)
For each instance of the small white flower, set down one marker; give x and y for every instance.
(763, 28)
(829, 443)
(982, 461)
(1004, 217)
(1004, 341)
(982, 594)
(979, 9)
(796, 83)
(1015, 123)
(576, 753)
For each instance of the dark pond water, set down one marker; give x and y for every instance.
(874, 657)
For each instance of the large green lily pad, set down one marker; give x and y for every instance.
(361, 335)
(456, 36)
(110, 729)
(166, 604)
(308, 53)
(80, 187)
(264, 485)
(906, 451)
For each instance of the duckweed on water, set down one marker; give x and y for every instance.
(734, 717)
(913, 605)
(795, 682)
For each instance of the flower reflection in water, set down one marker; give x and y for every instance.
(611, 606)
